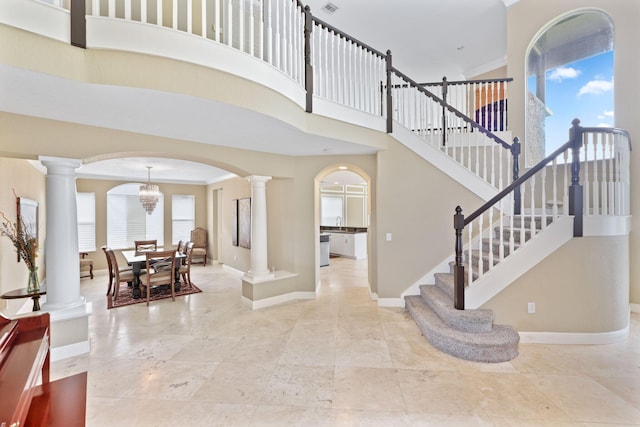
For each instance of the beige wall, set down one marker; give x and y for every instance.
(415, 204)
(101, 187)
(19, 176)
(582, 287)
(524, 20)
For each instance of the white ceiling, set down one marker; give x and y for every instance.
(429, 39)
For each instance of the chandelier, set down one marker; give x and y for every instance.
(149, 194)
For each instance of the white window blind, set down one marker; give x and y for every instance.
(86, 205)
(127, 221)
(182, 217)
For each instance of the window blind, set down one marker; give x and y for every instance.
(127, 221)
(86, 207)
(182, 217)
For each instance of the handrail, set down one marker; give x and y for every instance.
(454, 110)
(346, 36)
(606, 181)
(461, 82)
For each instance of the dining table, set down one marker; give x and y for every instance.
(138, 261)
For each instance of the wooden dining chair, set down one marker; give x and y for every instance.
(185, 268)
(160, 267)
(119, 275)
(143, 246)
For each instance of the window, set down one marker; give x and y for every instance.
(569, 75)
(182, 217)
(86, 205)
(127, 221)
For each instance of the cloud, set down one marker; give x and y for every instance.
(604, 125)
(562, 73)
(605, 115)
(596, 87)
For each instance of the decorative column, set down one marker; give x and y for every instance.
(259, 267)
(61, 244)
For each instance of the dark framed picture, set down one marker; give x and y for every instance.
(244, 223)
(234, 222)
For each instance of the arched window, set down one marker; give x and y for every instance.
(569, 75)
(127, 220)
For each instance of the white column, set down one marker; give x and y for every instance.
(61, 244)
(259, 269)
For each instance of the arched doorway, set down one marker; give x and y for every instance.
(569, 74)
(343, 204)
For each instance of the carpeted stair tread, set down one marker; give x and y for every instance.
(498, 345)
(464, 320)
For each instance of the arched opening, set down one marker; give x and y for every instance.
(344, 206)
(569, 74)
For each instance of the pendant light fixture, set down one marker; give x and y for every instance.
(149, 194)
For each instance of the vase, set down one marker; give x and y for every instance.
(34, 283)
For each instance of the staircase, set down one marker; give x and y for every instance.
(471, 334)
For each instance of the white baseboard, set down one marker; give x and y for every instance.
(71, 350)
(280, 299)
(574, 338)
(635, 308)
(391, 302)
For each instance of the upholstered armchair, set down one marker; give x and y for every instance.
(199, 239)
(86, 265)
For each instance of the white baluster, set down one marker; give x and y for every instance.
(480, 257)
(159, 21)
(603, 181)
(512, 230)
(203, 17)
(112, 8)
(174, 11)
(610, 160)
(532, 208)
(190, 16)
(268, 53)
(555, 188)
(470, 254)
(95, 7)
(500, 237)
(565, 188)
(490, 245)
(543, 186)
(127, 10)
(523, 191)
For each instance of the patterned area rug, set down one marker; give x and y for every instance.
(125, 295)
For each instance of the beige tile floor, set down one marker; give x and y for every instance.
(338, 360)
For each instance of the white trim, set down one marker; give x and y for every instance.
(534, 251)
(71, 350)
(635, 308)
(374, 296)
(279, 299)
(334, 110)
(391, 302)
(447, 165)
(37, 17)
(429, 278)
(574, 337)
(150, 39)
(601, 225)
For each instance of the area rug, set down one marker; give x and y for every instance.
(125, 295)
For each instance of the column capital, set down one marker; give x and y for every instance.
(258, 178)
(60, 165)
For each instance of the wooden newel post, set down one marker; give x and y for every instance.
(389, 93)
(308, 67)
(458, 269)
(517, 197)
(575, 189)
(444, 111)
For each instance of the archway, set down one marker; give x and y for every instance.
(343, 212)
(569, 73)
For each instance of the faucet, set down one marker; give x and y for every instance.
(338, 221)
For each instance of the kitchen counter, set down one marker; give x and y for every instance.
(347, 230)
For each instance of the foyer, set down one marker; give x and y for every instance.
(339, 360)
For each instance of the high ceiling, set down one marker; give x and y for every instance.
(429, 39)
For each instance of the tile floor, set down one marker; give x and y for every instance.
(338, 360)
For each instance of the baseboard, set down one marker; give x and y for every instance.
(71, 350)
(574, 338)
(280, 299)
(635, 308)
(391, 302)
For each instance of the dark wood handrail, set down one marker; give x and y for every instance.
(346, 36)
(455, 111)
(461, 82)
(518, 182)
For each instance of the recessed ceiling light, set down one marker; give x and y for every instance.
(329, 8)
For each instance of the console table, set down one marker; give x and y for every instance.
(22, 293)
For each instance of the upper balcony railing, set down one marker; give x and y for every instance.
(458, 118)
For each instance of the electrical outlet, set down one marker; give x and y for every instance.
(531, 307)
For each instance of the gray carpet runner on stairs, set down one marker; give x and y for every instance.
(468, 334)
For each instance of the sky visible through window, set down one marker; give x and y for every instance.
(581, 89)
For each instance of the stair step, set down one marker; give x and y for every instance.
(476, 256)
(495, 244)
(463, 320)
(517, 219)
(498, 345)
(517, 235)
